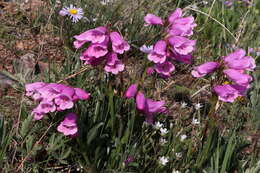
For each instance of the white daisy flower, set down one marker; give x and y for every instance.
(163, 160)
(146, 49)
(74, 13)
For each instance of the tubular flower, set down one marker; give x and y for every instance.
(175, 46)
(204, 69)
(53, 97)
(98, 51)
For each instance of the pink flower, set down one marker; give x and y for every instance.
(150, 71)
(64, 100)
(113, 64)
(187, 59)
(80, 94)
(69, 125)
(54, 97)
(151, 19)
(50, 91)
(149, 107)
(175, 15)
(238, 61)
(91, 60)
(180, 26)
(119, 45)
(32, 90)
(204, 69)
(158, 54)
(238, 77)
(96, 50)
(97, 35)
(37, 114)
(182, 45)
(165, 68)
(46, 107)
(140, 101)
(131, 91)
(226, 93)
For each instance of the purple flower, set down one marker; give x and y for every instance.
(91, 60)
(96, 50)
(165, 68)
(129, 160)
(32, 90)
(69, 125)
(151, 19)
(182, 45)
(53, 97)
(63, 102)
(80, 94)
(175, 15)
(131, 91)
(187, 59)
(228, 3)
(149, 107)
(204, 69)
(158, 54)
(150, 71)
(180, 26)
(119, 45)
(238, 77)
(226, 93)
(97, 35)
(114, 65)
(238, 61)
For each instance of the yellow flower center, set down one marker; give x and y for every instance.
(240, 98)
(73, 11)
(226, 82)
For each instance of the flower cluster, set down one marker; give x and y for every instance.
(104, 47)
(235, 65)
(175, 46)
(53, 97)
(147, 106)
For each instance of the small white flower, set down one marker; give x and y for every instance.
(183, 137)
(158, 125)
(163, 131)
(74, 13)
(171, 125)
(146, 49)
(183, 104)
(205, 2)
(104, 2)
(198, 106)
(195, 121)
(162, 141)
(178, 155)
(163, 160)
(175, 171)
